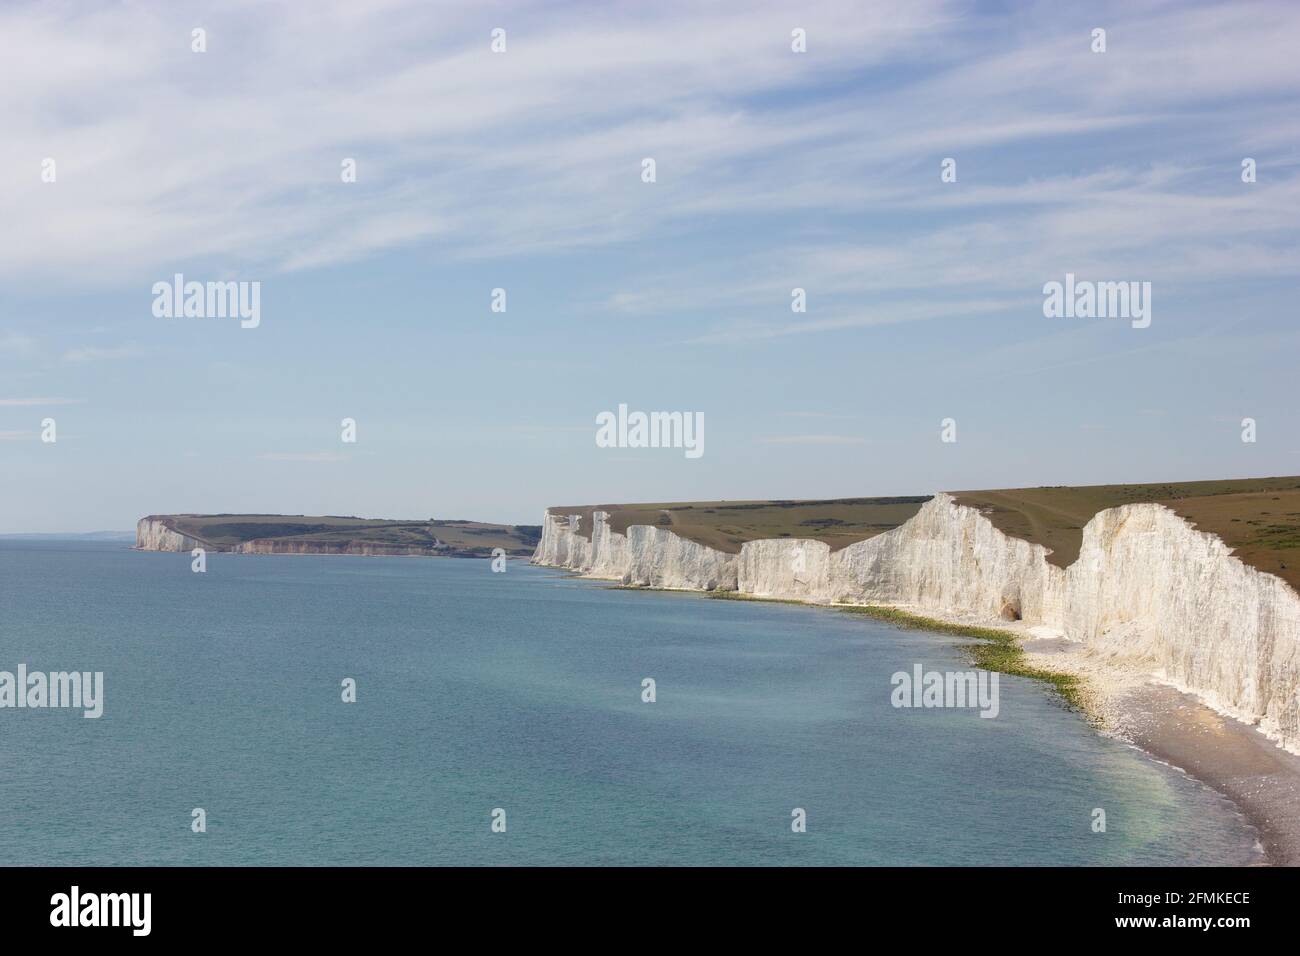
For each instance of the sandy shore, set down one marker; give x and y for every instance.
(1127, 699)
(1232, 757)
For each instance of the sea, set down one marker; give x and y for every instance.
(330, 710)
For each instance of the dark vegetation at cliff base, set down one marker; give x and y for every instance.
(994, 649)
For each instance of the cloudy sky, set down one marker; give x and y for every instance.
(522, 170)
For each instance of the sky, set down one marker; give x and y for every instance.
(522, 170)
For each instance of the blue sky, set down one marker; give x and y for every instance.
(521, 170)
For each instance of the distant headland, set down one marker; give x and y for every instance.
(332, 534)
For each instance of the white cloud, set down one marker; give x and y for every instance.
(93, 353)
(231, 158)
(165, 155)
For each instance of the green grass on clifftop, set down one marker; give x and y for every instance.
(726, 525)
(1259, 518)
(461, 538)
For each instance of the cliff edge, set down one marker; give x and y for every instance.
(1147, 588)
(304, 534)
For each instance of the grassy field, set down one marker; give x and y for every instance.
(1258, 517)
(459, 537)
(726, 525)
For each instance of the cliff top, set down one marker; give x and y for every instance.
(224, 531)
(1259, 518)
(726, 525)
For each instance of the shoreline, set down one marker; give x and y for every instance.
(1180, 729)
(1123, 699)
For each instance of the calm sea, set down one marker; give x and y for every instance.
(522, 691)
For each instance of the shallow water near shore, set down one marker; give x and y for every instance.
(522, 691)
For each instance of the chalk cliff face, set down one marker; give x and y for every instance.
(660, 559)
(563, 547)
(154, 534)
(290, 546)
(645, 556)
(790, 568)
(608, 556)
(1147, 586)
(951, 559)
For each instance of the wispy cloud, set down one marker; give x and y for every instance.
(24, 402)
(93, 353)
(581, 110)
(17, 343)
(743, 330)
(814, 440)
(583, 92)
(547, 429)
(801, 414)
(537, 151)
(311, 456)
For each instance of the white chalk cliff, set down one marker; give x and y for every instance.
(153, 533)
(156, 533)
(1147, 587)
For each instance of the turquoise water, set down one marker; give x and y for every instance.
(523, 691)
